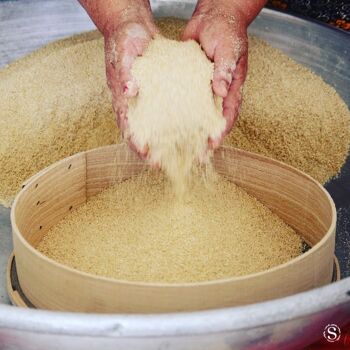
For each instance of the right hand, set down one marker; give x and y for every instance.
(221, 29)
(126, 38)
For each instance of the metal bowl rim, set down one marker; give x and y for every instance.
(199, 322)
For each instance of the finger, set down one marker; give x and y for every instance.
(134, 45)
(156, 166)
(225, 59)
(191, 31)
(121, 116)
(110, 61)
(128, 82)
(126, 86)
(119, 56)
(119, 100)
(121, 51)
(232, 102)
(214, 144)
(142, 152)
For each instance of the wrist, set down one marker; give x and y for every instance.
(108, 15)
(242, 11)
(249, 9)
(128, 11)
(227, 9)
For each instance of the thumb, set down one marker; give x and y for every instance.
(191, 30)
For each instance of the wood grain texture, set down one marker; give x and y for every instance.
(17, 298)
(291, 194)
(50, 195)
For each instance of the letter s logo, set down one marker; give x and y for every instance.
(332, 333)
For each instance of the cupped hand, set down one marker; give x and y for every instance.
(126, 39)
(221, 30)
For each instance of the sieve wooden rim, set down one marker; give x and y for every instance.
(316, 248)
(18, 297)
(246, 153)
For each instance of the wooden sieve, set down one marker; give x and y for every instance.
(51, 194)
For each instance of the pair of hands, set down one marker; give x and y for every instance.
(219, 26)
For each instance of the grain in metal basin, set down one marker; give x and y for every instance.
(51, 194)
(289, 323)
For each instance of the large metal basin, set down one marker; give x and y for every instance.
(288, 323)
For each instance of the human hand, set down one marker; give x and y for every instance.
(127, 27)
(221, 29)
(126, 38)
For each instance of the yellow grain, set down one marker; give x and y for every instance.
(55, 102)
(175, 111)
(137, 231)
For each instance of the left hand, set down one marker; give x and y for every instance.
(221, 29)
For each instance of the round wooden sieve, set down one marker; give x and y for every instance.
(50, 195)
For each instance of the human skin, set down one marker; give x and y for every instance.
(127, 27)
(220, 27)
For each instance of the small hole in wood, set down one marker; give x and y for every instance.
(23, 186)
(70, 165)
(40, 227)
(36, 185)
(71, 207)
(38, 202)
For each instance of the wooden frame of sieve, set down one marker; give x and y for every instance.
(52, 193)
